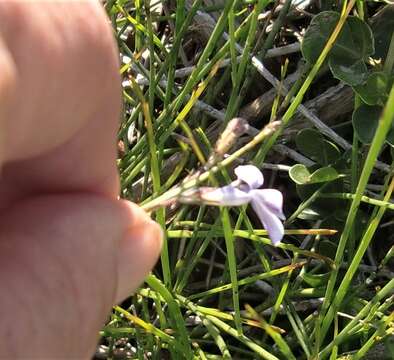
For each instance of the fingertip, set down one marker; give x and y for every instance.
(134, 213)
(138, 251)
(139, 218)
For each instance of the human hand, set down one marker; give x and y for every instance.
(68, 248)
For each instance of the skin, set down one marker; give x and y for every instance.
(69, 249)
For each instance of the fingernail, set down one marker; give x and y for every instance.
(138, 253)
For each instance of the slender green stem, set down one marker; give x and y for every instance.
(238, 72)
(377, 142)
(179, 19)
(342, 336)
(318, 193)
(354, 177)
(250, 73)
(365, 241)
(242, 338)
(232, 265)
(154, 165)
(250, 280)
(375, 337)
(365, 199)
(150, 328)
(175, 312)
(389, 63)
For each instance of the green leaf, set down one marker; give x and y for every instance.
(382, 25)
(325, 207)
(358, 35)
(309, 214)
(315, 280)
(300, 175)
(365, 122)
(317, 34)
(355, 41)
(375, 90)
(352, 73)
(323, 174)
(313, 145)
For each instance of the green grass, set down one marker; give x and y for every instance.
(220, 289)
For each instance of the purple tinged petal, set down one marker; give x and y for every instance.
(251, 175)
(225, 196)
(272, 198)
(270, 221)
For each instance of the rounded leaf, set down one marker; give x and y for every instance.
(359, 36)
(355, 42)
(317, 34)
(382, 25)
(350, 72)
(299, 174)
(323, 174)
(313, 145)
(365, 122)
(375, 89)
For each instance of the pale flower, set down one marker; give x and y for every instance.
(267, 203)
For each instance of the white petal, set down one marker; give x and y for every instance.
(225, 196)
(270, 221)
(250, 174)
(126, 60)
(272, 198)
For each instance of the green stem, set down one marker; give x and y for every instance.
(176, 315)
(389, 63)
(366, 199)
(365, 241)
(342, 336)
(377, 142)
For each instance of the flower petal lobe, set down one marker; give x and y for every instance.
(250, 175)
(272, 198)
(270, 221)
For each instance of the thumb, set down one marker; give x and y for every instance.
(65, 260)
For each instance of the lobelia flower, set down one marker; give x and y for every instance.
(267, 203)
